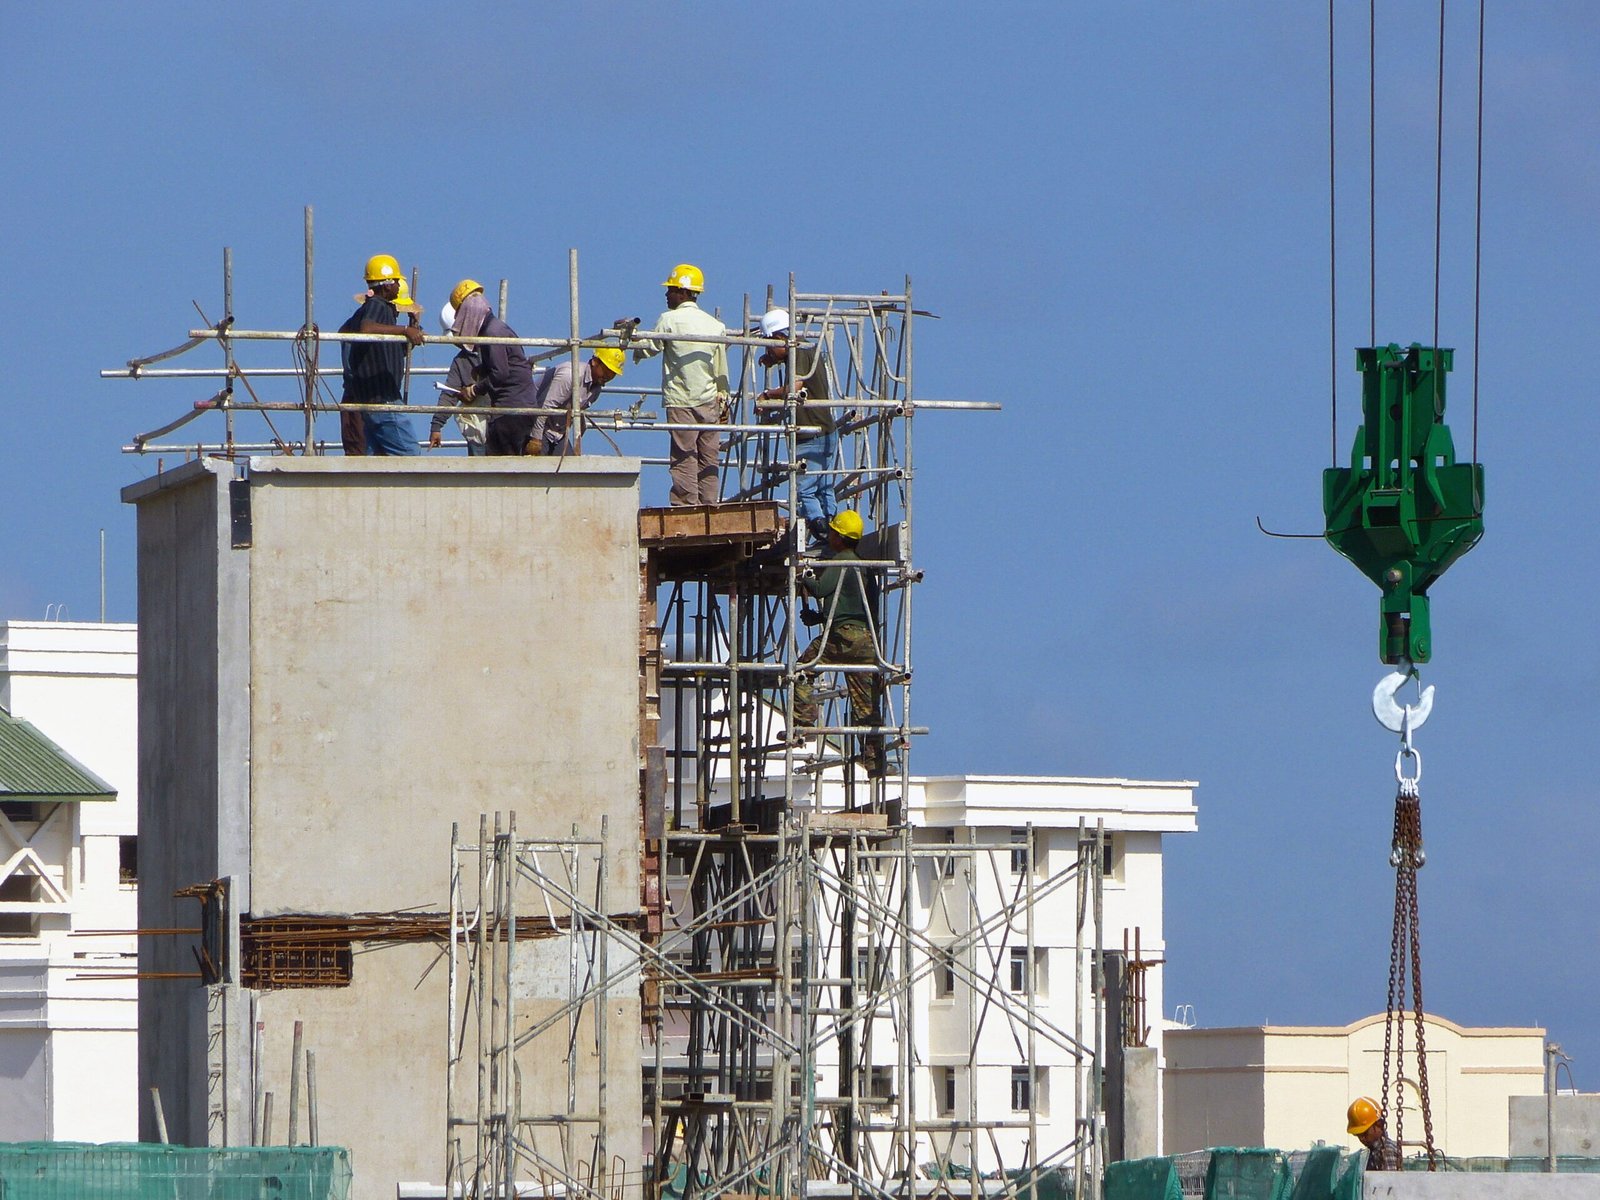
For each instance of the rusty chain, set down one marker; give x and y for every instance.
(1405, 957)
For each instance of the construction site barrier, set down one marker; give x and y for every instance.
(139, 1171)
(1235, 1173)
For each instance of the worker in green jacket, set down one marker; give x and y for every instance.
(847, 636)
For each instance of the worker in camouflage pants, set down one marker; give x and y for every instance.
(847, 638)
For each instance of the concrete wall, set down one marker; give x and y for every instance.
(428, 645)
(194, 756)
(1577, 1126)
(1141, 1112)
(417, 643)
(1455, 1185)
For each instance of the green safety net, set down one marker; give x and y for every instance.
(1228, 1173)
(1348, 1186)
(1143, 1179)
(136, 1171)
(1317, 1174)
(1248, 1174)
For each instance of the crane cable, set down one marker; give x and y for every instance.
(1406, 854)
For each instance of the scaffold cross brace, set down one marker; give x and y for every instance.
(1397, 717)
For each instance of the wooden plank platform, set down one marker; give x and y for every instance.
(754, 523)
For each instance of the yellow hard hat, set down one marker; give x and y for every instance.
(612, 357)
(1363, 1115)
(462, 290)
(686, 276)
(381, 267)
(847, 524)
(403, 300)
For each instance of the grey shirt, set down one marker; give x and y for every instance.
(555, 392)
(462, 369)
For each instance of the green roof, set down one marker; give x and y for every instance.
(32, 767)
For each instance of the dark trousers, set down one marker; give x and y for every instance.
(508, 435)
(353, 432)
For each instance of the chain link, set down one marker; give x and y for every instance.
(1405, 960)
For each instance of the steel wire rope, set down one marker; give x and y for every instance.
(1372, 172)
(1438, 214)
(1333, 262)
(1477, 249)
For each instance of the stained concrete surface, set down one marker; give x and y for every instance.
(1577, 1126)
(1456, 1185)
(401, 646)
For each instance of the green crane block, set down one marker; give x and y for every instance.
(1404, 510)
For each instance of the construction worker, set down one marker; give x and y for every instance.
(817, 437)
(504, 378)
(1365, 1123)
(463, 370)
(404, 302)
(848, 622)
(694, 386)
(549, 434)
(374, 372)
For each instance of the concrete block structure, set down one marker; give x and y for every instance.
(68, 868)
(343, 659)
(1574, 1119)
(1289, 1086)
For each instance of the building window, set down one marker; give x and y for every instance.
(1021, 1089)
(947, 863)
(19, 889)
(1019, 851)
(873, 965)
(880, 1083)
(1030, 1090)
(128, 860)
(944, 973)
(1108, 852)
(1020, 973)
(28, 812)
(944, 1091)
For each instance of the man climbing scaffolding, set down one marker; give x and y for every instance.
(848, 637)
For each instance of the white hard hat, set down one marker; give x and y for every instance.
(774, 321)
(447, 318)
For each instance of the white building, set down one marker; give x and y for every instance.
(970, 1056)
(970, 1042)
(68, 865)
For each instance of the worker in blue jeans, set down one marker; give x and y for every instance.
(374, 371)
(816, 433)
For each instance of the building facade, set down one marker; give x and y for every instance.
(69, 868)
(1289, 1086)
(970, 1055)
(998, 1024)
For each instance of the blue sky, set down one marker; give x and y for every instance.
(1120, 213)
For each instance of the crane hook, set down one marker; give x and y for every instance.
(1396, 717)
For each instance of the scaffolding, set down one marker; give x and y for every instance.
(792, 924)
(787, 994)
